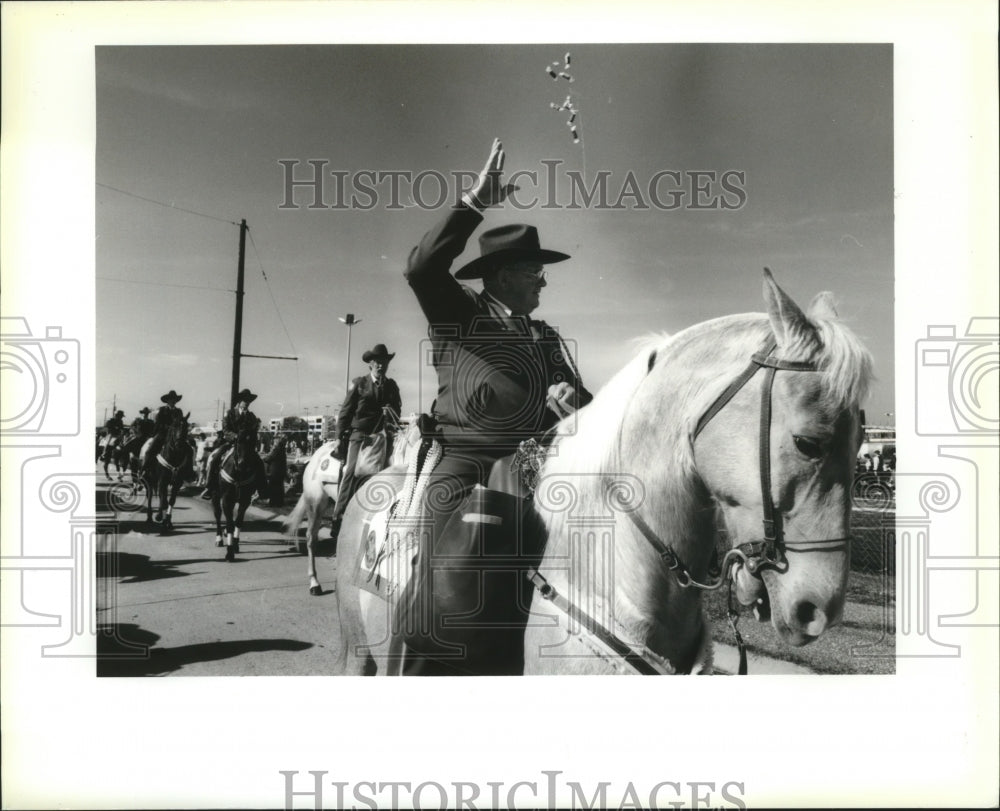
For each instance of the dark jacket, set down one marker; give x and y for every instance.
(235, 422)
(494, 370)
(276, 461)
(362, 409)
(115, 426)
(143, 427)
(165, 415)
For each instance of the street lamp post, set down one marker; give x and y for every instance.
(349, 321)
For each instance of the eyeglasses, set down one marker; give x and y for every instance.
(539, 275)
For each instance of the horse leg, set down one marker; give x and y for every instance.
(161, 493)
(171, 493)
(244, 504)
(217, 509)
(227, 505)
(149, 496)
(312, 538)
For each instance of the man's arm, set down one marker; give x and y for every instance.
(428, 270)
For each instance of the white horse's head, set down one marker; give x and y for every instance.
(649, 425)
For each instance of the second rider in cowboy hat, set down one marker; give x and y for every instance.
(360, 415)
(165, 416)
(238, 419)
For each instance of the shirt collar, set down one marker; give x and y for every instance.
(495, 302)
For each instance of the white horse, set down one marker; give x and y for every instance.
(320, 486)
(752, 417)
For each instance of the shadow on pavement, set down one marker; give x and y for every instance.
(119, 651)
(139, 568)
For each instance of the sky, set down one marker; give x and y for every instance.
(190, 141)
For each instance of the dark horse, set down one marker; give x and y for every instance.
(165, 472)
(127, 455)
(239, 476)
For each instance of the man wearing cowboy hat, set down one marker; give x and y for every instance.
(239, 418)
(115, 428)
(363, 413)
(503, 377)
(165, 416)
(143, 426)
(140, 430)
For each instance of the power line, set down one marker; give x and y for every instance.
(164, 284)
(270, 292)
(167, 205)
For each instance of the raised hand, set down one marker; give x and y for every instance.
(490, 189)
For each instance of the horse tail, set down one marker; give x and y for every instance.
(295, 517)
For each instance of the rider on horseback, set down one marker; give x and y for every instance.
(115, 428)
(503, 378)
(165, 417)
(239, 419)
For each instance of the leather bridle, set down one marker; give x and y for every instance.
(765, 552)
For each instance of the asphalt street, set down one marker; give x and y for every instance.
(170, 605)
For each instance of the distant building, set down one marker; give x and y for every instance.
(319, 427)
(878, 438)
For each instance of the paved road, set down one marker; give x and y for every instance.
(200, 616)
(170, 605)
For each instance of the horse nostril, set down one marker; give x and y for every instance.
(811, 618)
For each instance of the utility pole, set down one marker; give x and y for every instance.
(349, 321)
(238, 329)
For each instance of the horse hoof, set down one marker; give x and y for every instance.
(218, 542)
(316, 591)
(230, 555)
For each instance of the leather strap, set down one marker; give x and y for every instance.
(620, 648)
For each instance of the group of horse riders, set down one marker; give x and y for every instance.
(239, 419)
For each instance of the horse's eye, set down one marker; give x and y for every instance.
(808, 447)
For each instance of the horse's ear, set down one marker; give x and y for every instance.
(187, 416)
(788, 322)
(822, 307)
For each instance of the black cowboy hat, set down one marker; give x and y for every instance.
(378, 351)
(246, 396)
(171, 397)
(508, 243)
(145, 410)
